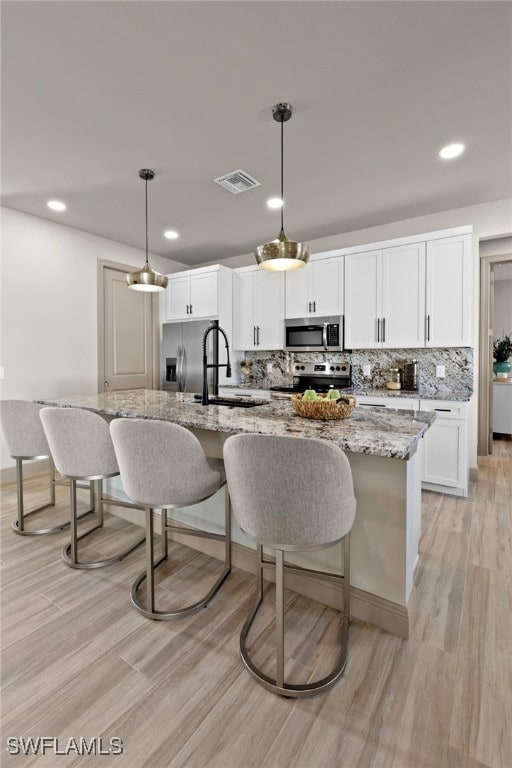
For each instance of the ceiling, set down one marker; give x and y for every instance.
(94, 91)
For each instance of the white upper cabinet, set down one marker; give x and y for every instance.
(403, 296)
(363, 300)
(178, 296)
(449, 297)
(315, 290)
(385, 298)
(199, 293)
(411, 295)
(258, 309)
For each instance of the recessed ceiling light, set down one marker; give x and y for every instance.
(274, 202)
(56, 205)
(170, 234)
(451, 151)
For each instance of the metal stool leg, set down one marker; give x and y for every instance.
(278, 685)
(70, 551)
(279, 619)
(152, 612)
(18, 525)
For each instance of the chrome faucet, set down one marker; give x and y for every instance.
(213, 327)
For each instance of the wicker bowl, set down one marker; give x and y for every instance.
(324, 409)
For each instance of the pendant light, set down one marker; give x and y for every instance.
(146, 279)
(282, 254)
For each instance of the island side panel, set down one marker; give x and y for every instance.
(384, 535)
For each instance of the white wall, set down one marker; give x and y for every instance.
(48, 341)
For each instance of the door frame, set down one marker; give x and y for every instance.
(486, 326)
(155, 322)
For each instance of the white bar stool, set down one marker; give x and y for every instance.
(291, 495)
(163, 466)
(26, 441)
(82, 449)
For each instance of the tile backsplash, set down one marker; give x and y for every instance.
(458, 363)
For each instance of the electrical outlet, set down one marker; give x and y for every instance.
(269, 367)
(440, 371)
(367, 370)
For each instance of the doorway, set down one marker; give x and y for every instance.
(490, 268)
(128, 339)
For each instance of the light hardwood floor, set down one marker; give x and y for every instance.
(77, 660)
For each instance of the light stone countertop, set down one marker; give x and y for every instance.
(390, 433)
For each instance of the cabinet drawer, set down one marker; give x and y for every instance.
(400, 403)
(445, 409)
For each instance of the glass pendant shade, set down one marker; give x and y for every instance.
(146, 279)
(282, 254)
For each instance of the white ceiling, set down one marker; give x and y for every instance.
(93, 91)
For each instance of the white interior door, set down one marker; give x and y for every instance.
(127, 334)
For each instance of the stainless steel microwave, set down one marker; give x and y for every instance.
(321, 334)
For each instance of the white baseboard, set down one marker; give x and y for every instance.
(448, 489)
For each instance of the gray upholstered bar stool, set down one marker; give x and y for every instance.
(26, 441)
(163, 466)
(82, 450)
(291, 495)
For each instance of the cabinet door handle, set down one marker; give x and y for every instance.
(191, 309)
(383, 329)
(444, 410)
(254, 335)
(314, 306)
(258, 335)
(428, 327)
(309, 306)
(187, 309)
(378, 329)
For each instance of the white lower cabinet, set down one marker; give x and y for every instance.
(445, 445)
(445, 451)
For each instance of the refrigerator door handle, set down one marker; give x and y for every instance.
(183, 368)
(178, 368)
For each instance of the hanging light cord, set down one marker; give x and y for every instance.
(282, 175)
(146, 220)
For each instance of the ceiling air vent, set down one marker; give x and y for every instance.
(237, 181)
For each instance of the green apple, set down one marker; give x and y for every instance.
(310, 394)
(333, 394)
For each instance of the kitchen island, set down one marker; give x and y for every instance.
(383, 450)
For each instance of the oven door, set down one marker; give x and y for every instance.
(302, 335)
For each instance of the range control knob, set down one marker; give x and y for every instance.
(332, 367)
(338, 368)
(303, 367)
(297, 367)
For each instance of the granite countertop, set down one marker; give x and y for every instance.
(392, 434)
(421, 394)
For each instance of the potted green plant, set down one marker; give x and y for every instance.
(502, 349)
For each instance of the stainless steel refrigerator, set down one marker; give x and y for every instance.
(181, 368)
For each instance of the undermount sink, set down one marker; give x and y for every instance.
(229, 402)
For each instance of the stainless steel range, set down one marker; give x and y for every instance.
(318, 376)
